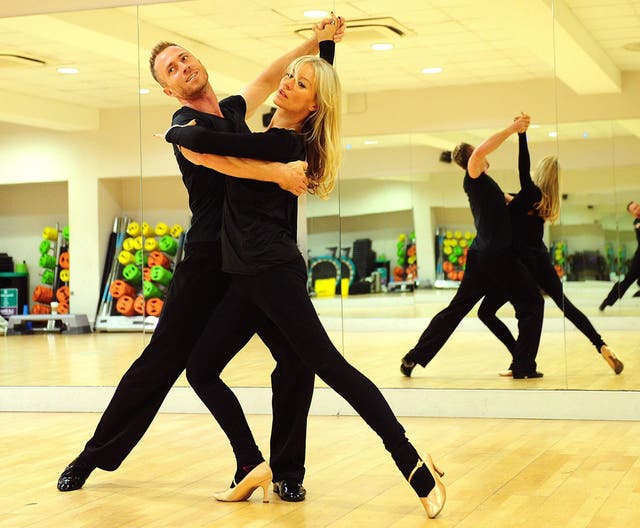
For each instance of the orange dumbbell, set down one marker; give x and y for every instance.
(156, 258)
(62, 294)
(64, 260)
(154, 306)
(63, 307)
(42, 294)
(125, 305)
(138, 304)
(119, 288)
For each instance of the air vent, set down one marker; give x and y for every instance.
(368, 30)
(16, 60)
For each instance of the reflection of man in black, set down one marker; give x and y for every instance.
(620, 287)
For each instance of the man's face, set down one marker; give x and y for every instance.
(181, 74)
(634, 209)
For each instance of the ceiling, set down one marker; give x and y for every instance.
(474, 42)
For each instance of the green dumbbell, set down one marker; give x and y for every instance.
(132, 273)
(45, 246)
(47, 276)
(149, 289)
(141, 257)
(47, 261)
(161, 275)
(65, 233)
(168, 244)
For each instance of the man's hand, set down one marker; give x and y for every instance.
(294, 177)
(521, 123)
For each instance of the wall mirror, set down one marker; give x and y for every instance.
(574, 68)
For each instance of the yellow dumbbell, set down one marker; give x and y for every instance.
(176, 230)
(161, 229)
(150, 244)
(137, 243)
(50, 233)
(125, 258)
(64, 275)
(129, 244)
(147, 230)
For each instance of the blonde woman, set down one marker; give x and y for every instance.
(269, 278)
(537, 202)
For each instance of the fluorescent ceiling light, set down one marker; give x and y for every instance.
(67, 70)
(370, 142)
(553, 134)
(381, 46)
(144, 91)
(428, 71)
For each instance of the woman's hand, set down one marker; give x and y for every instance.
(294, 177)
(330, 28)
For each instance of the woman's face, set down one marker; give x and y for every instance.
(297, 91)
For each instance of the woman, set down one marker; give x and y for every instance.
(269, 276)
(538, 202)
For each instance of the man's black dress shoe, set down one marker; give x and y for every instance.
(407, 366)
(290, 490)
(527, 375)
(74, 476)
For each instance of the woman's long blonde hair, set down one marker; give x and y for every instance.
(321, 129)
(546, 179)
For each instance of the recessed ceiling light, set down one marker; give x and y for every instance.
(370, 142)
(144, 91)
(67, 70)
(585, 134)
(315, 13)
(553, 134)
(632, 46)
(381, 46)
(428, 71)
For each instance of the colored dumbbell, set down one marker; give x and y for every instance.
(63, 294)
(65, 233)
(147, 230)
(140, 257)
(47, 276)
(129, 244)
(146, 273)
(176, 230)
(65, 275)
(149, 289)
(161, 229)
(47, 261)
(161, 275)
(45, 246)
(125, 305)
(156, 258)
(119, 288)
(139, 304)
(42, 294)
(132, 273)
(168, 245)
(150, 244)
(125, 258)
(40, 309)
(154, 306)
(133, 229)
(50, 233)
(64, 260)
(137, 243)
(63, 307)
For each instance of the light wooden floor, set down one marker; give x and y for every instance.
(499, 473)
(471, 359)
(373, 332)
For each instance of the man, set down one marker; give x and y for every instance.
(198, 284)
(620, 287)
(491, 265)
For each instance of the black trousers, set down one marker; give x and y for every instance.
(543, 272)
(621, 287)
(484, 274)
(281, 295)
(197, 288)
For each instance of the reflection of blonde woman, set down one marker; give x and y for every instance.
(537, 202)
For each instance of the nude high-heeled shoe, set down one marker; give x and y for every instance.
(259, 477)
(616, 365)
(434, 501)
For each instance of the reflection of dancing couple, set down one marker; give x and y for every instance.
(508, 260)
(245, 226)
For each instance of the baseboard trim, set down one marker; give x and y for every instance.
(486, 403)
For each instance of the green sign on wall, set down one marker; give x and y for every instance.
(8, 302)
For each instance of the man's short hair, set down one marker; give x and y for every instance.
(629, 205)
(461, 154)
(157, 49)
